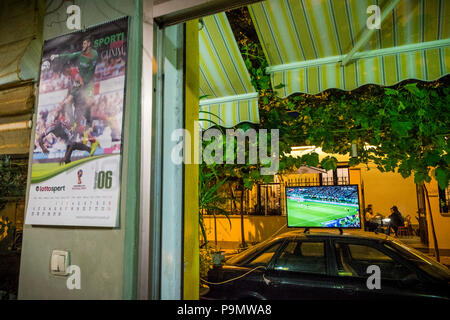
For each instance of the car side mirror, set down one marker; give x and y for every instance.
(410, 280)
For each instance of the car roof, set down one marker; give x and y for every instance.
(348, 234)
(298, 234)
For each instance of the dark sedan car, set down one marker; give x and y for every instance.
(316, 265)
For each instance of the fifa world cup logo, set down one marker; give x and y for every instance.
(80, 174)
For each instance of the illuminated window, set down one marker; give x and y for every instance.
(338, 176)
(444, 199)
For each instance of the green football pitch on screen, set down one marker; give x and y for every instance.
(315, 214)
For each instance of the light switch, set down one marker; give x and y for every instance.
(59, 262)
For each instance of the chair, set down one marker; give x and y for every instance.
(403, 231)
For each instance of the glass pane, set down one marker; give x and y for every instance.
(444, 199)
(359, 252)
(428, 265)
(342, 176)
(327, 178)
(300, 256)
(354, 260)
(264, 258)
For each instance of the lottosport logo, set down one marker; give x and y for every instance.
(50, 188)
(79, 174)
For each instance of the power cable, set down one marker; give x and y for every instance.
(50, 2)
(233, 279)
(115, 9)
(54, 10)
(248, 272)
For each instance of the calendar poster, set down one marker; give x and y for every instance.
(75, 173)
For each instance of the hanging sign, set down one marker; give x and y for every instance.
(75, 173)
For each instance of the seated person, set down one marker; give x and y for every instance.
(397, 220)
(370, 216)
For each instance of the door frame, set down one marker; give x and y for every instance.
(151, 280)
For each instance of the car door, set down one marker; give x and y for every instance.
(299, 271)
(252, 285)
(364, 269)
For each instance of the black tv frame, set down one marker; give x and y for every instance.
(339, 228)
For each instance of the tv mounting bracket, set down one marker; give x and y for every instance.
(340, 230)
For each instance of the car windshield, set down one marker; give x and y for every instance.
(426, 264)
(243, 256)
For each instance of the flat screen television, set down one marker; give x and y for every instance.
(323, 207)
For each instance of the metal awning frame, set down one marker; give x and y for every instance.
(361, 55)
(239, 97)
(368, 33)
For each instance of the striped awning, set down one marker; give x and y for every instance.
(16, 108)
(20, 39)
(314, 45)
(228, 97)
